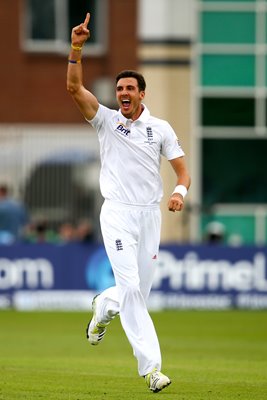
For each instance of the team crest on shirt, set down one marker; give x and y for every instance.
(122, 129)
(150, 137)
(118, 244)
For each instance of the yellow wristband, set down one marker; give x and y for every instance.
(77, 48)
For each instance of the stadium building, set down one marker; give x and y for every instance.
(205, 66)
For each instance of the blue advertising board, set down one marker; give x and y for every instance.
(46, 276)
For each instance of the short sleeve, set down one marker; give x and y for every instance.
(102, 114)
(171, 147)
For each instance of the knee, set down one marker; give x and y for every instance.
(130, 289)
(130, 293)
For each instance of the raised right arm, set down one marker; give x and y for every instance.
(85, 100)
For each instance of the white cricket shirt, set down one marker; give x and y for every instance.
(130, 153)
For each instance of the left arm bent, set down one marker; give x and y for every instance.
(176, 201)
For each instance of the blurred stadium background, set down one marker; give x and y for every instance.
(205, 63)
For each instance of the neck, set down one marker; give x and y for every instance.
(138, 112)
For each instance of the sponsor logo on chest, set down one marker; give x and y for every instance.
(122, 129)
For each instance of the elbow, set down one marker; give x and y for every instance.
(72, 88)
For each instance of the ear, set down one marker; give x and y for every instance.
(142, 95)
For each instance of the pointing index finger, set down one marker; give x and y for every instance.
(87, 19)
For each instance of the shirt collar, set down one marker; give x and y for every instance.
(144, 116)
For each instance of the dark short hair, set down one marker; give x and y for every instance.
(133, 74)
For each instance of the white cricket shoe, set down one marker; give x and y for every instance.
(156, 381)
(95, 331)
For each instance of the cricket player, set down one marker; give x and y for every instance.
(131, 144)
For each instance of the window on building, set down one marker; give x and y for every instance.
(228, 27)
(232, 115)
(48, 24)
(228, 111)
(233, 171)
(228, 70)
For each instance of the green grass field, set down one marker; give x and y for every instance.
(208, 355)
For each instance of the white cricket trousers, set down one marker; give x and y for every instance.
(131, 237)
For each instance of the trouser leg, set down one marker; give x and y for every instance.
(107, 305)
(121, 234)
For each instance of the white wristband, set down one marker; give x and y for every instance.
(181, 189)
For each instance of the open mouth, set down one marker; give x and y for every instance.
(125, 104)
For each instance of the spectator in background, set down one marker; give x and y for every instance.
(215, 233)
(40, 232)
(66, 233)
(84, 231)
(13, 217)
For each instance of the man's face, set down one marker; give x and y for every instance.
(129, 97)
